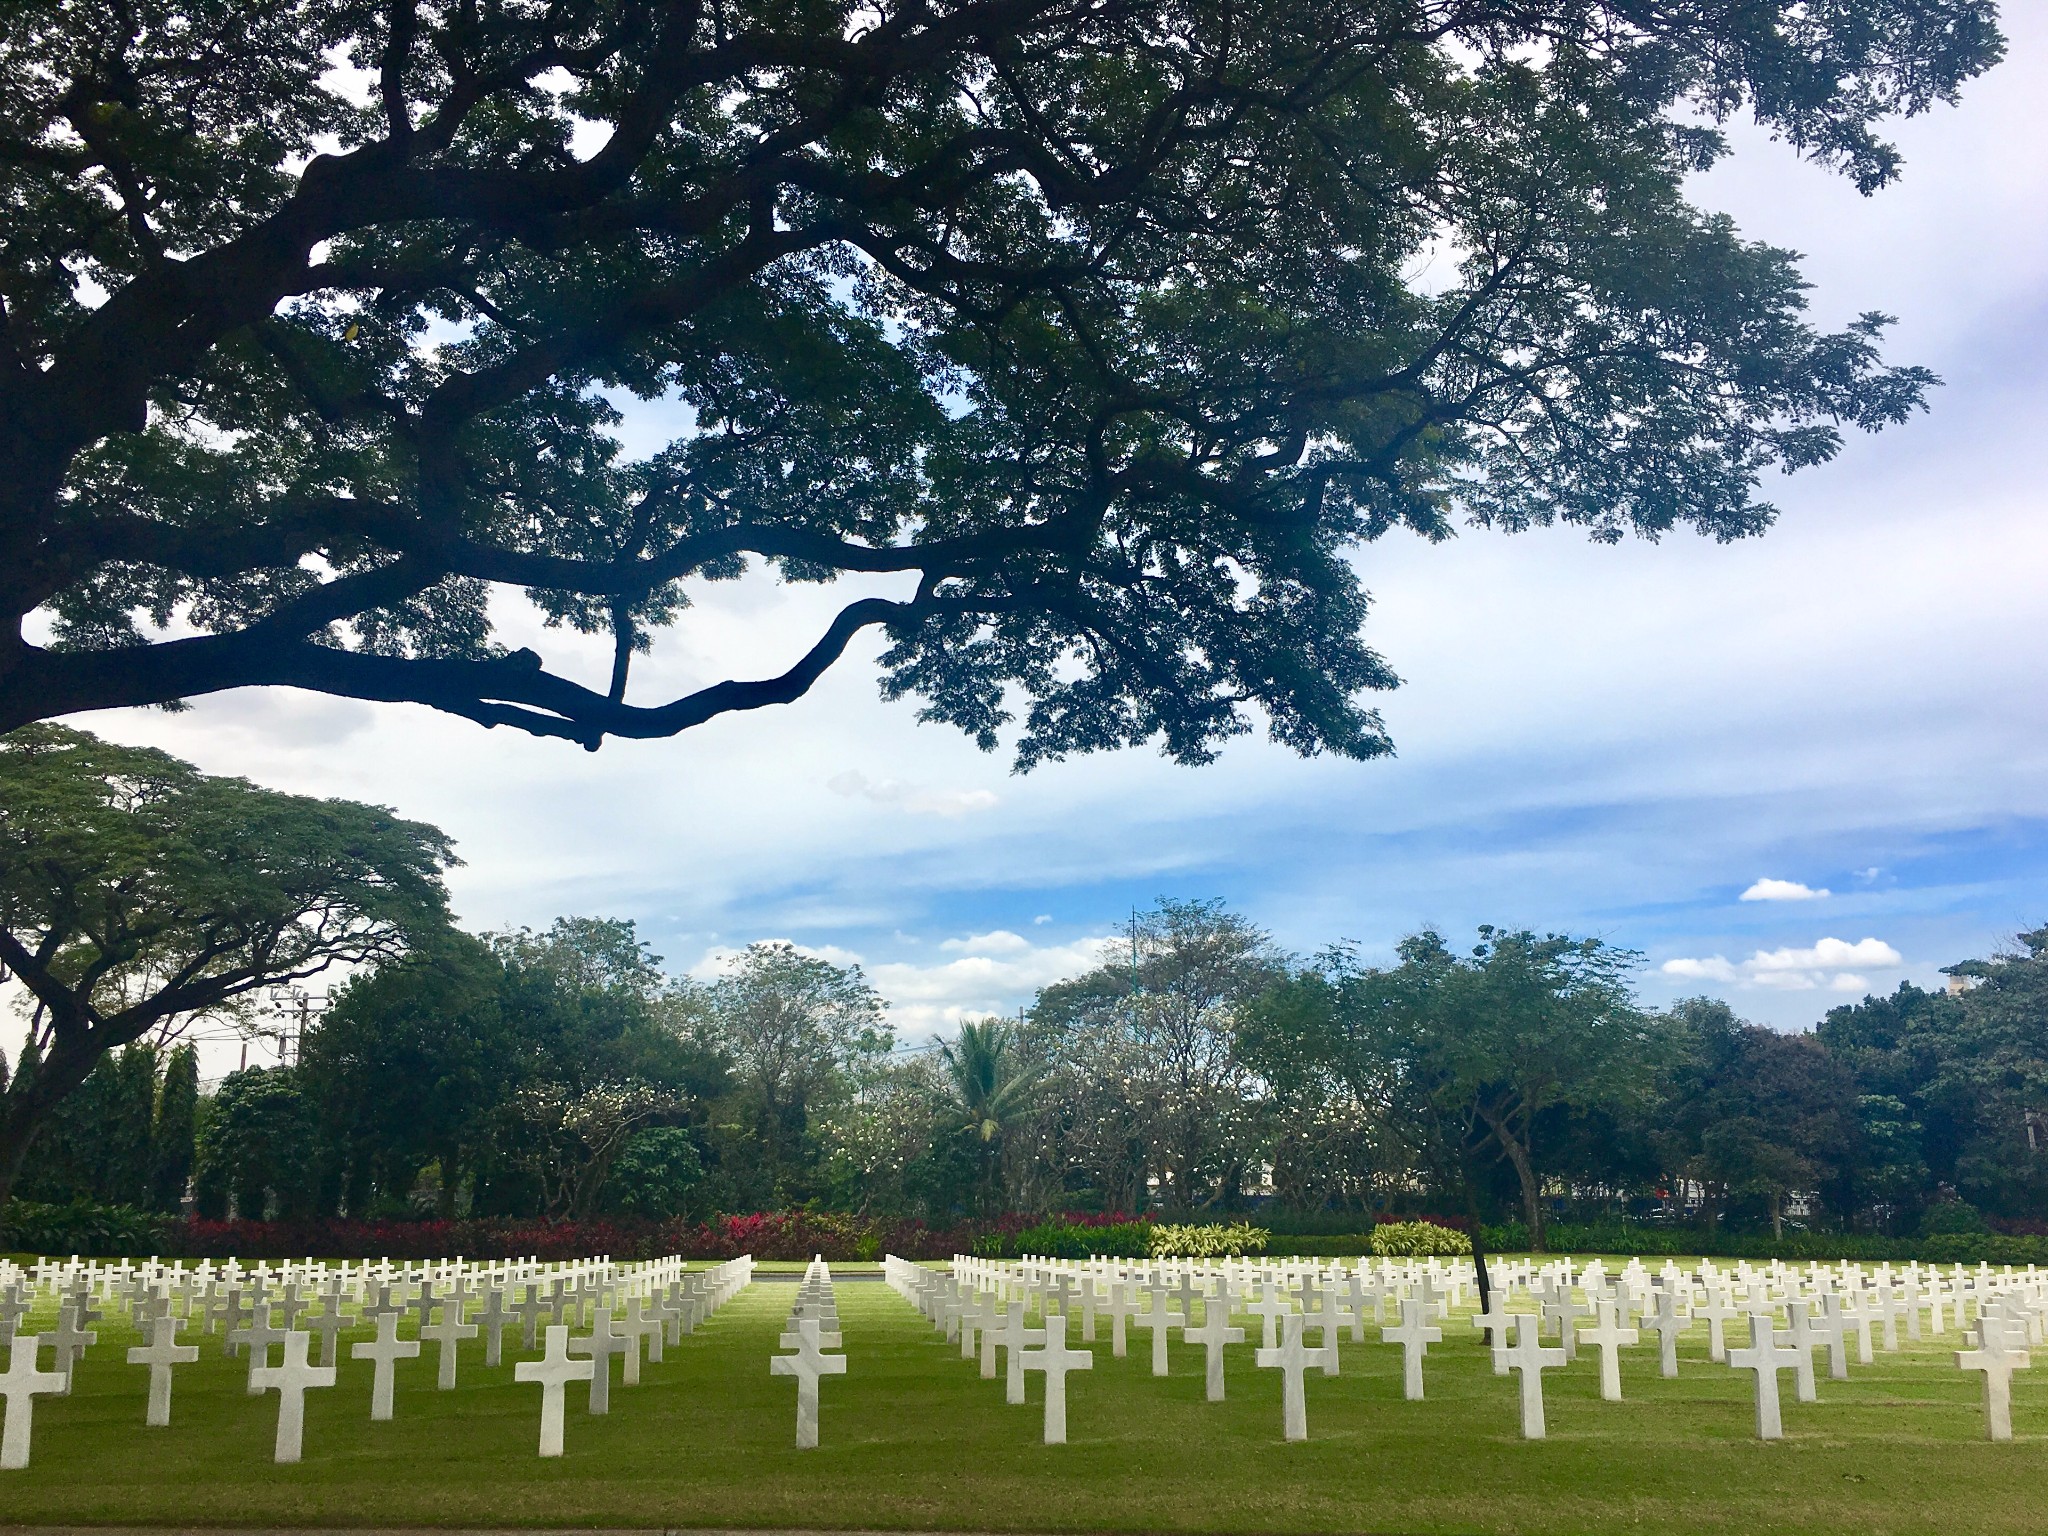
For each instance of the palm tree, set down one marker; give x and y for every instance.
(993, 1086)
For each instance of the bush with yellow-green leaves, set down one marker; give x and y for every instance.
(1418, 1240)
(1170, 1240)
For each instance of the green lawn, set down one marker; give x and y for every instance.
(913, 1438)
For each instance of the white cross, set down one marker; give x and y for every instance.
(1055, 1359)
(1607, 1336)
(1497, 1325)
(554, 1371)
(1159, 1320)
(1997, 1359)
(1291, 1360)
(494, 1320)
(1766, 1356)
(1120, 1306)
(448, 1333)
(19, 1388)
(985, 1312)
(1890, 1307)
(1414, 1333)
(1269, 1309)
(1803, 1336)
(327, 1323)
(386, 1350)
(69, 1340)
(1330, 1317)
(806, 1365)
(1014, 1338)
(259, 1336)
(1833, 1328)
(1667, 1324)
(601, 1343)
(1532, 1359)
(1212, 1335)
(1565, 1309)
(639, 1324)
(290, 1382)
(1355, 1293)
(161, 1353)
(1719, 1311)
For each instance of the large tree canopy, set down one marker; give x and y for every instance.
(137, 894)
(1102, 331)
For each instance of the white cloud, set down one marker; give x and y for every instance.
(1828, 954)
(1783, 890)
(996, 972)
(1713, 968)
(999, 978)
(1041, 919)
(1000, 942)
(949, 803)
(1793, 970)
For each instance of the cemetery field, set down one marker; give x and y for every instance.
(914, 1438)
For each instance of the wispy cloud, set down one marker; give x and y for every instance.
(918, 801)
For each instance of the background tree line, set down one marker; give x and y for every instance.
(1197, 1070)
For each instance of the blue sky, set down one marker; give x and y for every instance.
(1618, 741)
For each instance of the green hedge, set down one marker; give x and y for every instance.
(1947, 1248)
(1055, 1239)
(91, 1231)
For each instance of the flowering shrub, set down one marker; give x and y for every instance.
(1418, 1239)
(1208, 1242)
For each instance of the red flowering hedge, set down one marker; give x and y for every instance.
(112, 1231)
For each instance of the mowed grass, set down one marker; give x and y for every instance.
(914, 1438)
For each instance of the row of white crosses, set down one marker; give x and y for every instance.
(812, 1329)
(966, 1314)
(285, 1307)
(1822, 1303)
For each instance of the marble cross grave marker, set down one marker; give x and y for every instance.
(1291, 1360)
(1532, 1359)
(291, 1381)
(161, 1353)
(1607, 1336)
(601, 1343)
(1766, 1356)
(1015, 1337)
(1414, 1333)
(1996, 1356)
(554, 1371)
(807, 1365)
(20, 1385)
(1055, 1359)
(1215, 1332)
(385, 1350)
(1159, 1320)
(448, 1333)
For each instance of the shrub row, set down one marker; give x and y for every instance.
(110, 1231)
(1946, 1248)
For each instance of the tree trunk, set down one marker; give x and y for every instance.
(1532, 1193)
(37, 1088)
(1777, 1216)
